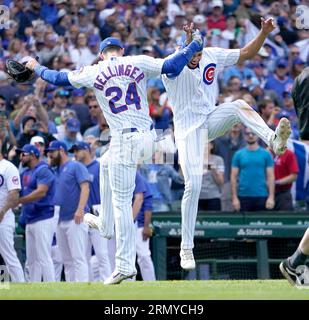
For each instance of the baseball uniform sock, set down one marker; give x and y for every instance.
(297, 259)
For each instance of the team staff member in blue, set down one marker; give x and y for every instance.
(82, 154)
(142, 212)
(72, 191)
(38, 190)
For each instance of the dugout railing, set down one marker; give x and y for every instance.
(228, 245)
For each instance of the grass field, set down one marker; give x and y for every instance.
(159, 290)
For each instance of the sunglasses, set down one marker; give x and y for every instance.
(2, 103)
(24, 154)
(250, 133)
(93, 107)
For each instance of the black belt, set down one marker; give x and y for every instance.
(128, 130)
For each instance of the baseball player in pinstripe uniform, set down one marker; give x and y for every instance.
(119, 84)
(9, 193)
(193, 95)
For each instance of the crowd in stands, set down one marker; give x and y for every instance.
(65, 35)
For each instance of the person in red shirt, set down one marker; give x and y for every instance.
(216, 20)
(286, 170)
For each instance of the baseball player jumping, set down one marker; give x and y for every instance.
(119, 84)
(193, 94)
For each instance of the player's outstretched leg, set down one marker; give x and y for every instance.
(294, 268)
(228, 114)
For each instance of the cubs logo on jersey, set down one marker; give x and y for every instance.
(209, 73)
(1, 180)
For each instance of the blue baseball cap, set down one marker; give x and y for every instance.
(282, 63)
(73, 125)
(80, 145)
(29, 148)
(298, 61)
(78, 92)
(110, 41)
(56, 145)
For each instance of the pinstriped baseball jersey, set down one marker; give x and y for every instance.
(193, 93)
(120, 88)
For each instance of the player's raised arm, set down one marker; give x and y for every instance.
(175, 64)
(252, 48)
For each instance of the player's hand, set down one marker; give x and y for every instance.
(31, 64)
(79, 216)
(197, 36)
(188, 29)
(147, 233)
(268, 25)
(236, 203)
(270, 203)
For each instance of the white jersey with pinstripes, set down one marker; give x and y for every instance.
(9, 180)
(193, 93)
(120, 88)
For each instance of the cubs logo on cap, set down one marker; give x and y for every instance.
(209, 73)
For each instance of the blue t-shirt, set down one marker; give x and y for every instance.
(94, 186)
(141, 186)
(69, 177)
(279, 86)
(252, 165)
(43, 208)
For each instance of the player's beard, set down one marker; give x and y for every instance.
(55, 160)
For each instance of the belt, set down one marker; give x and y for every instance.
(128, 130)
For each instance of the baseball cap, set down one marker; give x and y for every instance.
(37, 139)
(256, 64)
(281, 63)
(216, 3)
(62, 93)
(29, 148)
(78, 93)
(165, 24)
(82, 12)
(80, 145)
(93, 40)
(298, 61)
(56, 145)
(61, 13)
(106, 13)
(199, 19)
(110, 41)
(73, 125)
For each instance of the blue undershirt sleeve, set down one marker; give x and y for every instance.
(174, 65)
(55, 77)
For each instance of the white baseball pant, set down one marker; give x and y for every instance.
(57, 262)
(39, 238)
(72, 240)
(125, 152)
(100, 246)
(144, 256)
(191, 155)
(9, 255)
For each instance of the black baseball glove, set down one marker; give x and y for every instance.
(18, 71)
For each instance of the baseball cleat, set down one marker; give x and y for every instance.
(282, 133)
(298, 277)
(91, 220)
(187, 261)
(117, 277)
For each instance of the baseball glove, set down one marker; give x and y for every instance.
(18, 71)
